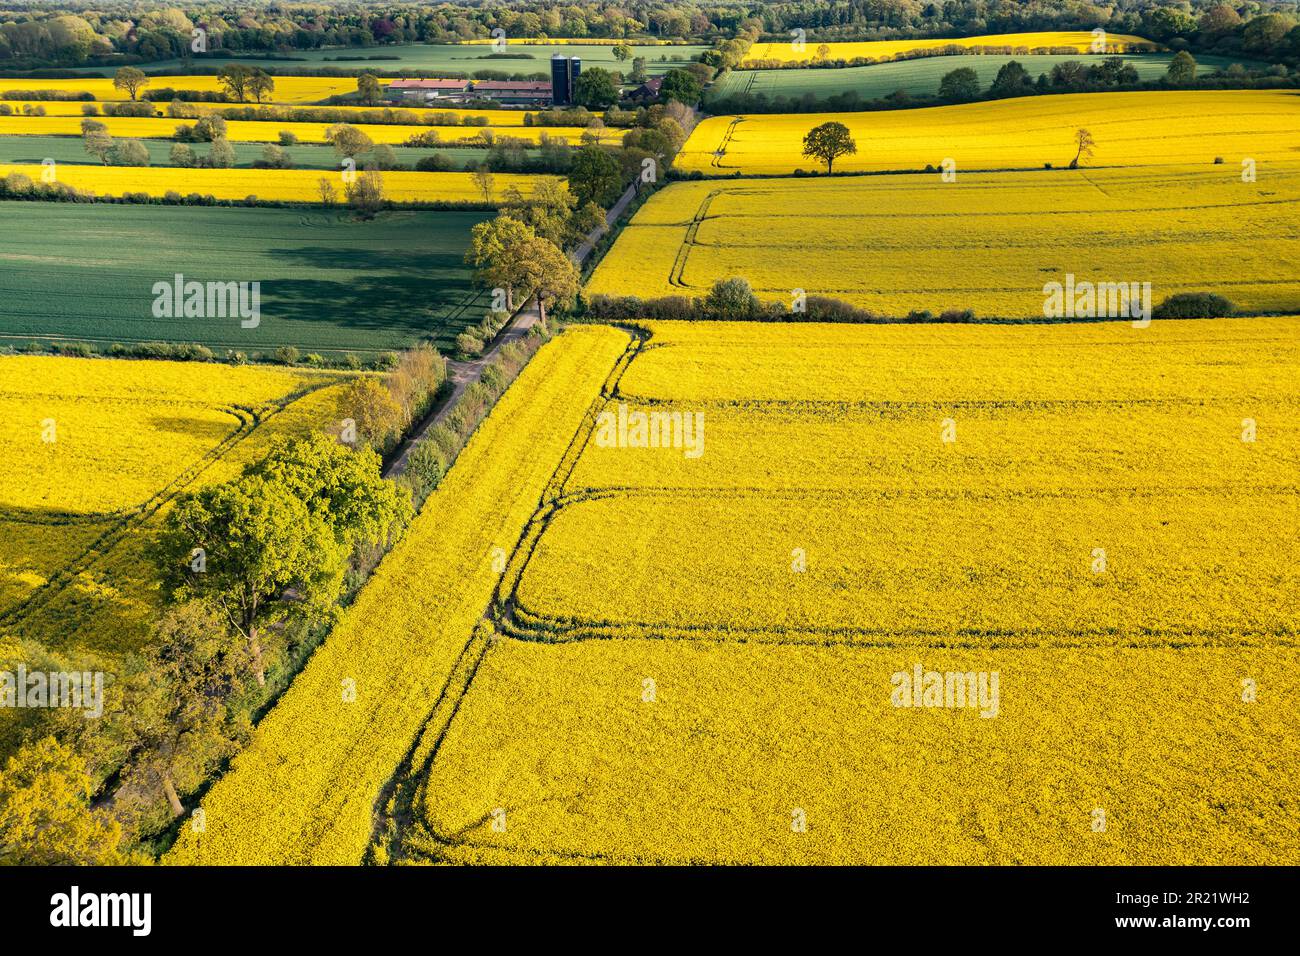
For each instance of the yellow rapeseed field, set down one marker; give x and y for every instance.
(794, 754)
(268, 131)
(1107, 545)
(988, 241)
(1130, 129)
(1080, 41)
(92, 448)
(118, 431)
(288, 89)
(500, 120)
(288, 185)
(304, 790)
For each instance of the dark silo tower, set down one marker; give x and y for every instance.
(564, 78)
(560, 91)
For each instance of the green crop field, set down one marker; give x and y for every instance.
(922, 75)
(69, 149)
(328, 283)
(452, 58)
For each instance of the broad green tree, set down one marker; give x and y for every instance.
(260, 85)
(234, 79)
(828, 142)
(348, 141)
(241, 546)
(491, 250)
(595, 89)
(544, 270)
(45, 813)
(1182, 68)
(960, 84)
(182, 727)
(343, 487)
(595, 176)
(130, 81)
(369, 90)
(682, 86)
(1012, 79)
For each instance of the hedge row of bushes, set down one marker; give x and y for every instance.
(19, 186)
(733, 300)
(435, 451)
(471, 342)
(193, 352)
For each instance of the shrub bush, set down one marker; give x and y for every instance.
(426, 466)
(1193, 305)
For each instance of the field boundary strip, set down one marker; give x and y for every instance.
(335, 764)
(406, 789)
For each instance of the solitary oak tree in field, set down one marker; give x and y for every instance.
(260, 85)
(235, 80)
(130, 81)
(1085, 143)
(828, 143)
(369, 90)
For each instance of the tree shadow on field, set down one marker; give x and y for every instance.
(397, 290)
(95, 599)
(407, 305)
(209, 431)
(354, 259)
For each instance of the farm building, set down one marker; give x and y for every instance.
(514, 92)
(649, 90)
(506, 92)
(452, 91)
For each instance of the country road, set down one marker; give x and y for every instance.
(465, 374)
(462, 375)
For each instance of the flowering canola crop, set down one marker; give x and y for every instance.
(288, 89)
(268, 131)
(304, 790)
(284, 185)
(1130, 129)
(701, 657)
(988, 241)
(1080, 41)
